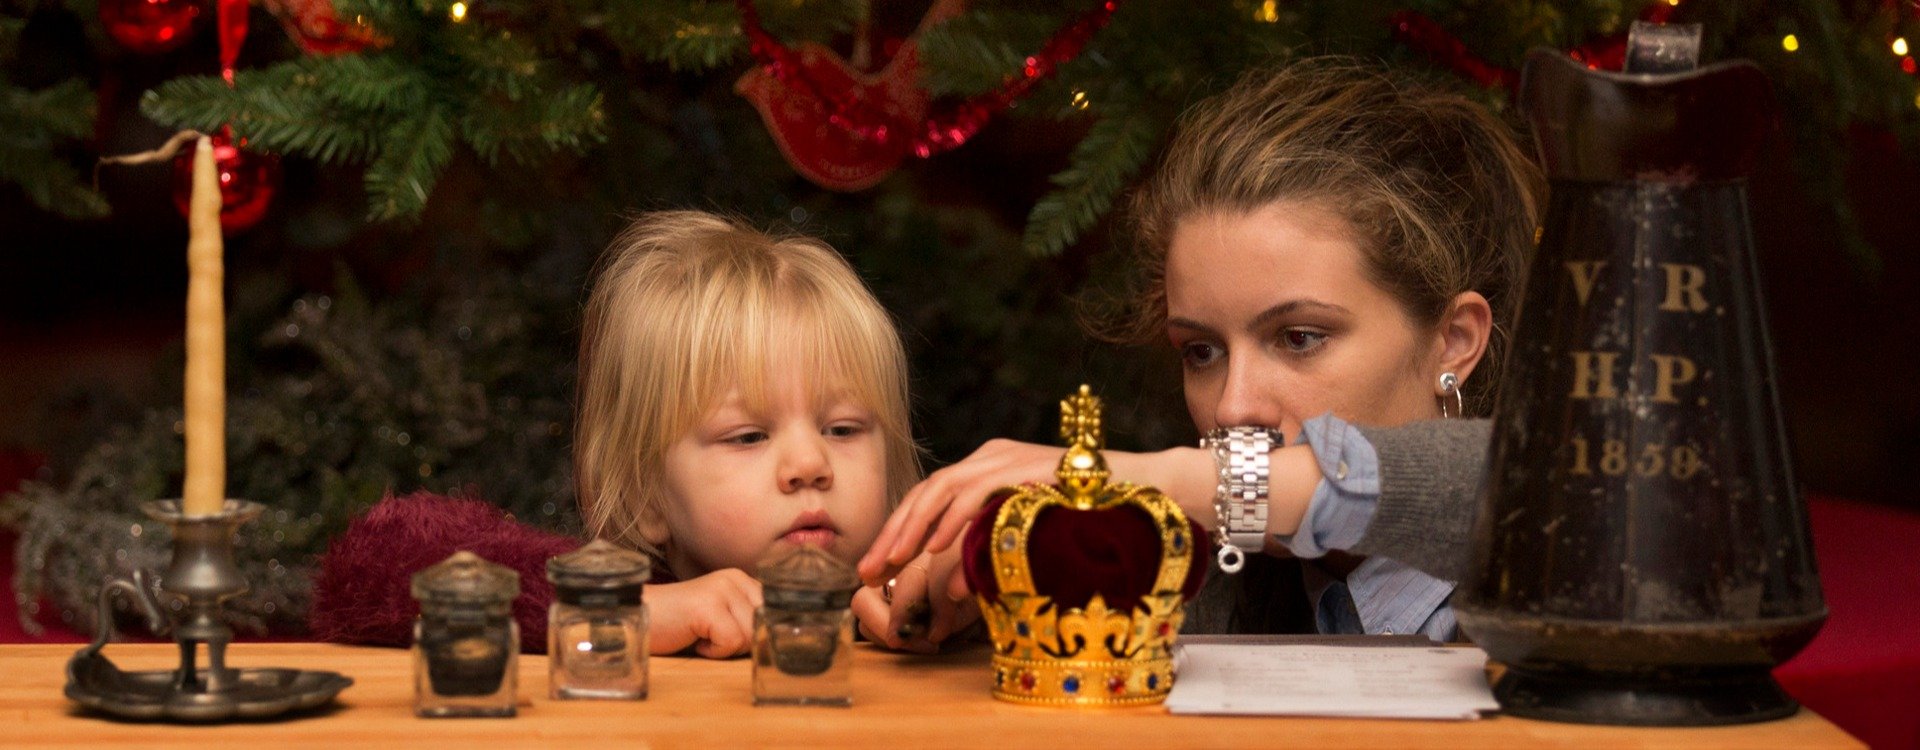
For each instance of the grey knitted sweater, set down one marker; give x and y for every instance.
(1430, 475)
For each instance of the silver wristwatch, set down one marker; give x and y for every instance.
(1240, 455)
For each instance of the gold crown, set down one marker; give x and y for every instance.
(1091, 655)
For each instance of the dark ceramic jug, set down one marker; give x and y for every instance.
(1641, 554)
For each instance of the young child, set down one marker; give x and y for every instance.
(737, 391)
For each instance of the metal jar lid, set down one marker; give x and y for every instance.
(466, 580)
(601, 571)
(806, 579)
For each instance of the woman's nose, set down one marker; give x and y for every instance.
(804, 464)
(1247, 397)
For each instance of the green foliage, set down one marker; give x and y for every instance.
(34, 127)
(980, 50)
(403, 108)
(37, 128)
(1114, 150)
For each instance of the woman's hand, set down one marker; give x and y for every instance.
(919, 608)
(936, 510)
(712, 613)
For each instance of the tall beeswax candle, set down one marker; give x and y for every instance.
(205, 488)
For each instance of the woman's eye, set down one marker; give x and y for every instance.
(1201, 353)
(746, 438)
(1302, 341)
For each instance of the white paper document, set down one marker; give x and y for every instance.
(1424, 682)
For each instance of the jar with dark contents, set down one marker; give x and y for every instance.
(803, 631)
(597, 625)
(466, 644)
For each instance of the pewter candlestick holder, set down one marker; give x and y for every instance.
(198, 582)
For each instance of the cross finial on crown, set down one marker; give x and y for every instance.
(1080, 420)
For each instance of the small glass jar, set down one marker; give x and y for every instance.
(466, 646)
(597, 626)
(803, 631)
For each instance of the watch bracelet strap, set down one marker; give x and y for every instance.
(1241, 458)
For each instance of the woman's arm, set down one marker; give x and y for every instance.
(935, 512)
(1430, 478)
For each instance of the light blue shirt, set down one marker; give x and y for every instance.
(1382, 595)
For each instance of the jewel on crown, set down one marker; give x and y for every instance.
(1070, 626)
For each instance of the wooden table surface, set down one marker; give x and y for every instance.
(900, 701)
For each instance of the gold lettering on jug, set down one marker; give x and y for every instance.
(1683, 288)
(1593, 375)
(1669, 371)
(1584, 272)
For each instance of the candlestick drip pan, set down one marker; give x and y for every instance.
(201, 577)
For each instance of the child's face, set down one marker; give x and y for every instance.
(806, 471)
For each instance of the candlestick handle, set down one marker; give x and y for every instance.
(137, 589)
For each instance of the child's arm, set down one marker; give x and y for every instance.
(712, 613)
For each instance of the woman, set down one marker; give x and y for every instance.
(1334, 253)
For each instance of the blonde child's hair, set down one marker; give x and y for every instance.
(688, 304)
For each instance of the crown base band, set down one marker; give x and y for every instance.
(1052, 682)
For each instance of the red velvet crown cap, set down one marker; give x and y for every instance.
(1074, 554)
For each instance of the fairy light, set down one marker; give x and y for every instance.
(1900, 46)
(1080, 100)
(1269, 12)
(1790, 43)
(459, 12)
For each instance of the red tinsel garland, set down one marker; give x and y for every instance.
(1428, 37)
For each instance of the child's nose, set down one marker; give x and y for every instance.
(804, 464)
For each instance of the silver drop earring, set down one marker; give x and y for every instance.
(1450, 386)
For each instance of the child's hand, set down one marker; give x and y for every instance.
(929, 601)
(712, 613)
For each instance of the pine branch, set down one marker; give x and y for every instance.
(402, 177)
(976, 52)
(312, 106)
(33, 124)
(10, 29)
(1113, 152)
(570, 120)
(687, 37)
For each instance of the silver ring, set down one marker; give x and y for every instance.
(1232, 559)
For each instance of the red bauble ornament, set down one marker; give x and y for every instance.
(248, 181)
(149, 26)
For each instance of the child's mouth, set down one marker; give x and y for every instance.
(820, 536)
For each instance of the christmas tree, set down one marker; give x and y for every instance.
(454, 166)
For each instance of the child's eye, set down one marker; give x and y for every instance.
(845, 429)
(749, 437)
(1302, 341)
(1198, 354)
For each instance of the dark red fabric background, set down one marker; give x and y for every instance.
(1862, 672)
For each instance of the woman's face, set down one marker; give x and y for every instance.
(1276, 323)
